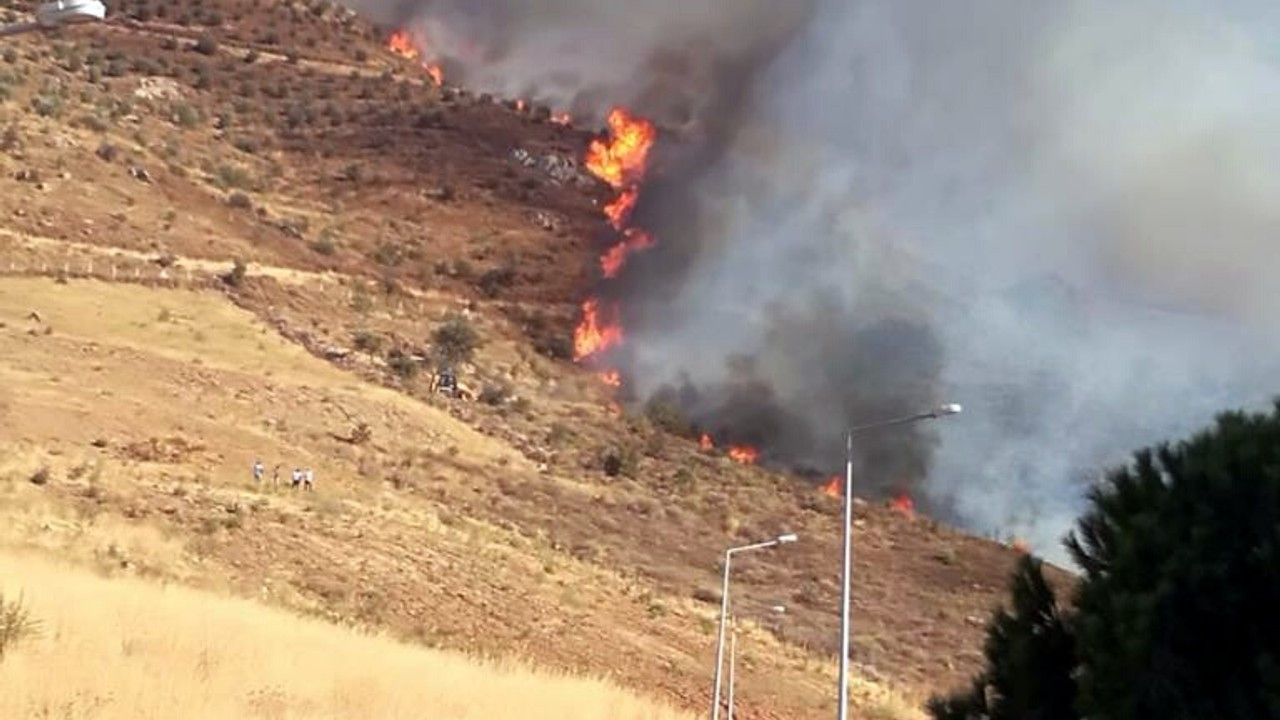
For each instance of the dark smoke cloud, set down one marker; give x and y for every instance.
(1060, 214)
(1069, 202)
(676, 58)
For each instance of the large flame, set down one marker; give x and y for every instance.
(598, 331)
(403, 44)
(622, 160)
(744, 454)
(705, 442)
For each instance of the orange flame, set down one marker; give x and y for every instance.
(705, 442)
(562, 118)
(594, 334)
(903, 504)
(619, 211)
(1020, 546)
(615, 257)
(620, 162)
(520, 105)
(834, 487)
(617, 162)
(744, 454)
(402, 44)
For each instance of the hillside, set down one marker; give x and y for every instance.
(144, 376)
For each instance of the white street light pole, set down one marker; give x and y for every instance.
(846, 591)
(57, 13)
(733, 655)
(733, 662)
(724, 609)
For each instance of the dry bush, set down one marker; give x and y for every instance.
(16, 624)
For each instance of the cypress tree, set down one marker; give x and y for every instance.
(1030, 656)
(1174, 614)
(1181, 558)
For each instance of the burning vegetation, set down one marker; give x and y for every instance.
(402, 43)
(620, 160)
(620, 157)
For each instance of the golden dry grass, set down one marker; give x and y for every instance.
(124, 648)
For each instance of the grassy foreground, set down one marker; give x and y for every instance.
(124, 648)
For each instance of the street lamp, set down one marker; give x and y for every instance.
(847, 555)
(733, 654)
(55, 14)
(724, 608)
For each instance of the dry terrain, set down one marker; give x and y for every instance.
(226, 658)
(141, 375)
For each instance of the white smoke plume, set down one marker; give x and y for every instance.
(1067, 209)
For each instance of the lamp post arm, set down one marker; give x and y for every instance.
(753, 546)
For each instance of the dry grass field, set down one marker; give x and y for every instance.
(126, 649)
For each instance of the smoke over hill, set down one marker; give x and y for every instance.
(1061, 215)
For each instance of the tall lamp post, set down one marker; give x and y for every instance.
(847, 554)
(724, 608)
(51, 15)
(733, 654)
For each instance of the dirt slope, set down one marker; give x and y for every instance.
(370, 206)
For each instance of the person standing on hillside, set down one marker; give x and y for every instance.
(258, 470)
(275, 476)
(296, 479)
(309, 479)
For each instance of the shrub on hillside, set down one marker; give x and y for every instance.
(495, 394)
(617, 461)
(206, 45)
(240, 200)
(235, 276)
(367, 342)
(16, 624)
(402, 364)
(492, 281)
(1174, 613)
(455, 341)
(664, 411)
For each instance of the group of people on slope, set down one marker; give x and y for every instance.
(304, 478)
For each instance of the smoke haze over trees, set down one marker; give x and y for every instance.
(1059, 214)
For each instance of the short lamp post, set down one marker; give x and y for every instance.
(733, 655)
(724, 609)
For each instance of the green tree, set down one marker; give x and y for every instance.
(1173, 616)
(1030, 656)
(455, 340)
(1181, 560)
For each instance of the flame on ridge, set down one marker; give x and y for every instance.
(402, 43)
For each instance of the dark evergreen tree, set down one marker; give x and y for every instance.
(1176, 614)
(1030, 659)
